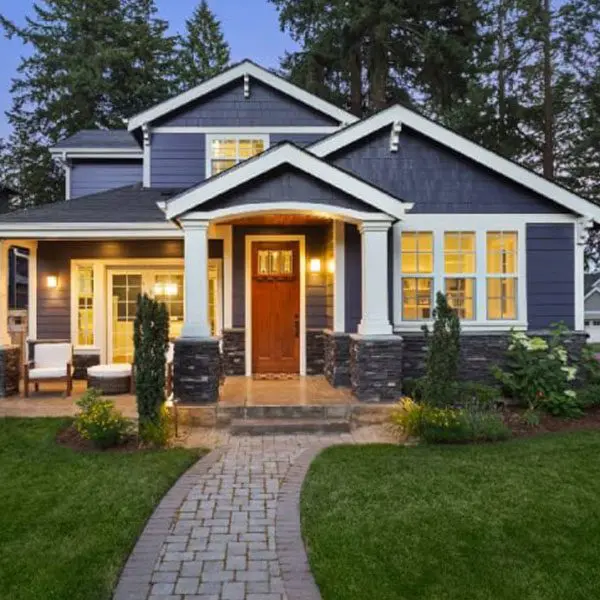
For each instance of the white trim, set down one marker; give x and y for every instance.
(209, 138)
(257, 129)
(46, 230)
(227, 276)
(282, 208)
(593, 290)
(67, 166)
(286, 154)
(461, 145)
(106, 153)
(32, 285)
(480, 226)
(248, 294)
(5, 339)
(238, 72)
(339, 276)
(147, 164)
(579, 266)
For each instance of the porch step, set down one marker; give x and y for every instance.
(283, 426)
(227, 414)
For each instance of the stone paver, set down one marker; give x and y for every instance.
(217, 526)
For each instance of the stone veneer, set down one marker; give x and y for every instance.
(478, 352)
(234, 351)
(376, 367)
(337, 358)
(10, 370)
(197, 370)
(315, 351)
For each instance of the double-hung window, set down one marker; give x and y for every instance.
(85, 305)
(502, 257)
(460, 272)
(417, 271)
(226, 151)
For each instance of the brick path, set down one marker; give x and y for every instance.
(220, 540)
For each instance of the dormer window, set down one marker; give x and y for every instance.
(227, 150)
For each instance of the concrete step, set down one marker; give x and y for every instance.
(226, 414)
(284, 426)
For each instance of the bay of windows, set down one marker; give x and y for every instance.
(457, 264)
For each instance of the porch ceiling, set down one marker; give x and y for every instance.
(280, 220)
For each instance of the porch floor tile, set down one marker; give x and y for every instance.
(313, 390)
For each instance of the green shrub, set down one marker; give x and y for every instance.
(99, 422)
(469, 392)
(413, 388)
(538, 373)
(406, 417)
(442, 353)
(589, 396)
(567, 404)
(159, 433)
(151, 339)
(589, 367)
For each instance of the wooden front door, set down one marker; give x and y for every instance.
(275, 307)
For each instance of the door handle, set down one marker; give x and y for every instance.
(297, 325)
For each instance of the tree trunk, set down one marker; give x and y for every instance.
(378, 75)
(355, 68)
(548, 157)
(501, 74)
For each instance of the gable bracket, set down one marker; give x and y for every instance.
(246, 85)
(395, 136)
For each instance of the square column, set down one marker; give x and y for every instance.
(10, 355)
(375, 309)
(4, 337)
(196, 279)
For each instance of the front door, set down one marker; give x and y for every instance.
(275, 307)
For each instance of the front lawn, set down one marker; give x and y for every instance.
(513, 521)
(69, 520)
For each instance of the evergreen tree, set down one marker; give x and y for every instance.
(203, 51)
(94, 62)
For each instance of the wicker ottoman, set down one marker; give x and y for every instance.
(110, 379)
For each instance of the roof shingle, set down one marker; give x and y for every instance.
(100, 138)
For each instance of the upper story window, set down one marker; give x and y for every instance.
(225, 151)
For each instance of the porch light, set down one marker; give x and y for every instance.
(171, 289)
(52, 281)
(315, 265)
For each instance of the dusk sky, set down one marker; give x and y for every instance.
(251, 27)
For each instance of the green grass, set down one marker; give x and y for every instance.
(68, 520)
(512, 521)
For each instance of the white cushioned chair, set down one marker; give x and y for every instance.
(52, 362)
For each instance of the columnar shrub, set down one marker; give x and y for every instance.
(442, 354)
(151, 339)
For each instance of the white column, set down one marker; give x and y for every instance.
(375, 315)
(339, 279)
(4, 337)
(196, 279)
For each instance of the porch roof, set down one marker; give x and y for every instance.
(285, 155)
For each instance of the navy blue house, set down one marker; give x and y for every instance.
(287, 236)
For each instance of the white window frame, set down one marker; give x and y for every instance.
(465, 274)
(209, 138)
(479, 224)
(417, 274)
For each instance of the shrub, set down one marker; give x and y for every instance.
(469, 392)
(442, 353)
(589, 396)
(99, 422)
(538, 373)
(589, 367)
(151, 339)
(406, 417)
(159, 433)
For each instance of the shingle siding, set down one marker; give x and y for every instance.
(90, 177)
(550, 274)
(177, 160)
(300, 139)
(227, 107)
(436, 179)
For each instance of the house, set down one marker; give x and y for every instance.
(286, 236)
(592, 306)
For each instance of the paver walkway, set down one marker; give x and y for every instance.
(221, 543)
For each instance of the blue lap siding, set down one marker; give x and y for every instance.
(177, 160)
(91, 177)
(550, 274)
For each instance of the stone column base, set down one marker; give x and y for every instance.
(376, 367)
(197, 370)
(234, 352)
(10, 370)
(315, 351)
(337, 358)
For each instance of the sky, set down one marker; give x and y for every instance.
(250, 26)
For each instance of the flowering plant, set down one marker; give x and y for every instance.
(538, 373)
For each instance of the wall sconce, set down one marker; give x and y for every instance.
(331, 265)
(315, 265)
(52, 281)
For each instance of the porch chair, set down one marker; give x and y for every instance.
(52, 362)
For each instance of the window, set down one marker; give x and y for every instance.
(168, 288)
(502, 275)
(460, 259)
(85, 306)
(228, 150)
(417, 261)
(275, 263)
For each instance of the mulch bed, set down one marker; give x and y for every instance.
(70, 438)
(550, 424)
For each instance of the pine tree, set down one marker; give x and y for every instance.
(94, 62)
(203, 51)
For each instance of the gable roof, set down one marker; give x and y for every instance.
(246, 67)
(99, 138)
(590, 283)
(507, 168)
(285, 153)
